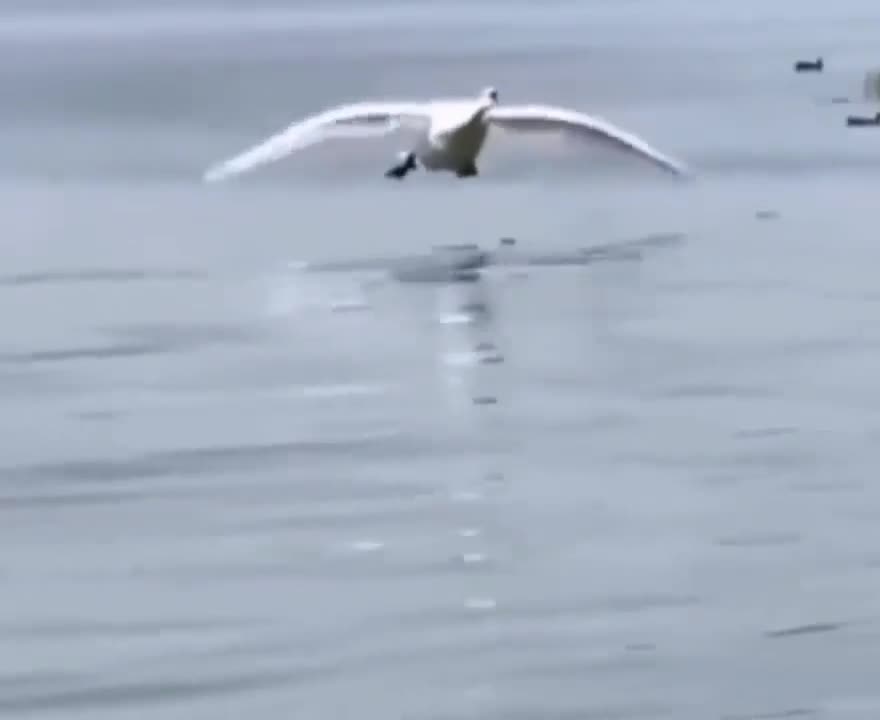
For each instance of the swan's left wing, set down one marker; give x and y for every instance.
(543, 118)
(360, 120)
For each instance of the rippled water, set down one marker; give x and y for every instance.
(220, 499)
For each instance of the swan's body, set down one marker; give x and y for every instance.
(451, 133)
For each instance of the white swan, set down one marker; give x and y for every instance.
(451, 133)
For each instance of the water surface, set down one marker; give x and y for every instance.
(219, 499)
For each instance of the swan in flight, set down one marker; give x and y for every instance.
(451, 133)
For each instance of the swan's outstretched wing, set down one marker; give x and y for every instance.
(346, 121)
(543, 118)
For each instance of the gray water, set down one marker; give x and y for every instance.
(219, 499)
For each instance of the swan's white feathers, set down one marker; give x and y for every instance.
(545, 118)
(440, 122)
(345, 121)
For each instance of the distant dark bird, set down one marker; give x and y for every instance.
(809, 65)
(862, 121)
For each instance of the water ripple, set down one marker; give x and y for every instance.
(87, 696)
(205, 460)
(97, 275)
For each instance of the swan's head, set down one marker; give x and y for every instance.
(490, 94)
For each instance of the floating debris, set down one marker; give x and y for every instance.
(494, 359)
(488, 353)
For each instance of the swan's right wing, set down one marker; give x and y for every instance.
(544, 118)
(346, 121)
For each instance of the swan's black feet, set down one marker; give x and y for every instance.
(466, 171)
(399, 171)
